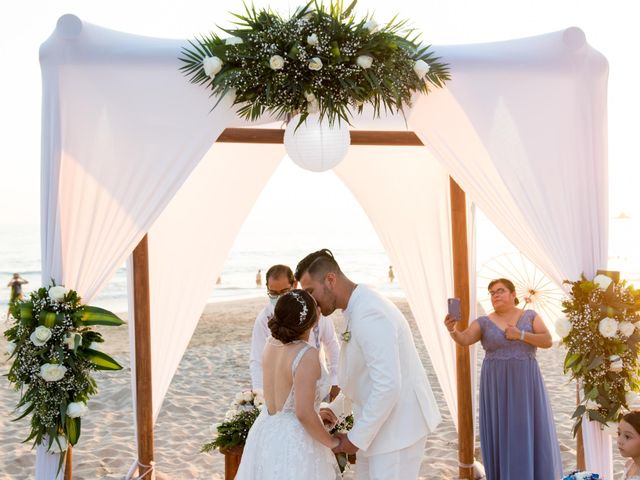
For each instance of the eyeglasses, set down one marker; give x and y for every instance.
(499, 291)
(276, 294)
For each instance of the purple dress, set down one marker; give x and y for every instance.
(517, 433)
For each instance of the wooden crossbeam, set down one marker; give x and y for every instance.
(358, 137)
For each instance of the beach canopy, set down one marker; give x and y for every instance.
(129, 149)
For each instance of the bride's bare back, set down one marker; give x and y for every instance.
(277, 362)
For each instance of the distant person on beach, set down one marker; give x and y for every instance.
(15, 284)
(259, 278)
(323, 337)
(380, 373)
(513, 399)
(391, 274)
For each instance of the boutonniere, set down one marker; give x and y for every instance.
(346, 335)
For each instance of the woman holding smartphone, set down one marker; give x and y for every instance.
(517, 432)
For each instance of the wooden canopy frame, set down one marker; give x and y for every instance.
(144, 410)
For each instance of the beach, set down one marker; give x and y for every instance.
(213, 369)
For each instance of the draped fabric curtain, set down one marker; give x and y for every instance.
(528, 146)
(405, 193)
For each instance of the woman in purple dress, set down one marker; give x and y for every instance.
(517, 432)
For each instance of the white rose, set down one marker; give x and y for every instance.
(57, 293)
(371, 25)
(233, 41)
(58, 445)
(608, 327)
(312, 39)
(276, 62)
(230, 414)
(11, 347)
(421, 68)
(364, 61)
(258, 391)
(259, 400)
(70, 340)
(616, 363)
(632, 399)
(315, 64)
(52, 372)
(76, 409)
(247, 407)
(247, 396)
(602, 281)
(239, 397)
(563, 326)
(211, 65)
(627, 328)
(40, 336)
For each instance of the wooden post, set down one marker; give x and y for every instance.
(579, 441)
(461, 290)
(142, 319)
(68, 463)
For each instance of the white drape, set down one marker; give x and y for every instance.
(405, 193)
(528, 145)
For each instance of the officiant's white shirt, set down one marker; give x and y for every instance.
(323, 337)
(381, 373)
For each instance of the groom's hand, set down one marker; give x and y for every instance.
(345, 445)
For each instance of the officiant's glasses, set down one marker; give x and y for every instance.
(276, 294)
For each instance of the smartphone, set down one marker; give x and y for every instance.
(453, 305)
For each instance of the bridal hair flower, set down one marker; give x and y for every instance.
(305, 310)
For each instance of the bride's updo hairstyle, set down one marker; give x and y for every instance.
(294, 314)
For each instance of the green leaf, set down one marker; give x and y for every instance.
(96, 316)
(595, 416)
(48, 319)
(571, 360)
(101, 360)
(26, 312)
(579, 411)
(72, 429)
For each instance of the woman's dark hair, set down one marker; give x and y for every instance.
(633, 419)
(294, 313)
(507, 283)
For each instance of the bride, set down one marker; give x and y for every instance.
(288, 439)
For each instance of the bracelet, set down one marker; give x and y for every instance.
(522, 335)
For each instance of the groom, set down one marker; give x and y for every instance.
(379, 371)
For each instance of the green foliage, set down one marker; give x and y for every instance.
(338, 88)
(232, 433)
(602, 347)
(67, 341)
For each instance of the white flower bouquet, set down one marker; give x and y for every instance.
(51, 342)
(600, 334)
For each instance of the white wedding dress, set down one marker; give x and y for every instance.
(279, 448)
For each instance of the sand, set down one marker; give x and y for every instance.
(213, 369)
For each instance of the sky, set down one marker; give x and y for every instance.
(609, 26)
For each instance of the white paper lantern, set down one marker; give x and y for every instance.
(315, 145)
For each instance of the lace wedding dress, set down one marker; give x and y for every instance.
(279, 448)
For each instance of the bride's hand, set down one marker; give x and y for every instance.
(329, 419)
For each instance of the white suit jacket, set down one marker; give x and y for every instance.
(380, 372)
(325, 340)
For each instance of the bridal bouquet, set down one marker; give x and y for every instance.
(601, 336)
(233, 432)
(55, 352)
(581, 476)
(343, 426)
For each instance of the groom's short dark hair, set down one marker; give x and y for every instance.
(317, 263)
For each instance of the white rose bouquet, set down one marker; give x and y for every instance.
(53, 357)
(269, 62)
(600, 334)
(232, 433)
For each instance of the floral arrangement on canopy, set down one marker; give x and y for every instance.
(55, 351)
(233, 432)
(601, 336)
(320, 60)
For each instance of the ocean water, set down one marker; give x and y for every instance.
(367, 263)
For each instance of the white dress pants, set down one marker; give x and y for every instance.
(397, 465)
